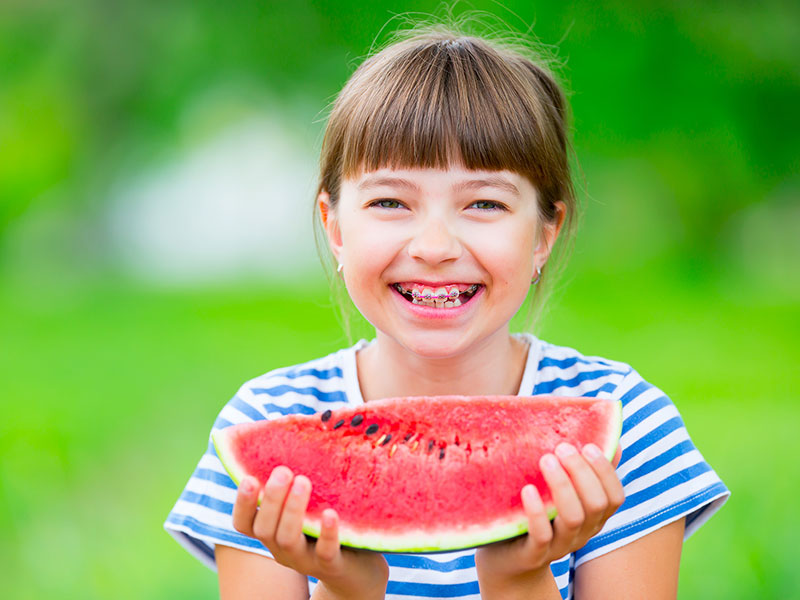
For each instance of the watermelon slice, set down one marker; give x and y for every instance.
(422, 474)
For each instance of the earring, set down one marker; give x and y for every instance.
(535, 280)
(339, 268)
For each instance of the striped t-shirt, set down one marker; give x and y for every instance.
(664, 476)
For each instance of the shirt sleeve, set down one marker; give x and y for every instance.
(664, 476)
(202, 515)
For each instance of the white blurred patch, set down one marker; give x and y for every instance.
(760, 247)
(238, 205)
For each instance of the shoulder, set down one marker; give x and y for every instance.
(562, 370)
(305, 388)
(645, 408)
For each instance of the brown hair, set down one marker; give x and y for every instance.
(436, 97)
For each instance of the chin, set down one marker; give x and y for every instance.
(435, 346)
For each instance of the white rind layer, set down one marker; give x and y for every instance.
(420, 540)
(425, 541)
(222, 445)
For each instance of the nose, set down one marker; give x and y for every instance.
(435, 242)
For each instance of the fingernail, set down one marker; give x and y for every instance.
(592, 451)
(327, 518)
(549, 462)
(531, 495)
(248, 486)
(299, 486)
(279, 477)
(564, 450)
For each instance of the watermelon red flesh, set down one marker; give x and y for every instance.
(455, 483)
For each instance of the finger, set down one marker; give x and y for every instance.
(327, 546)
(570, 515)
(590, 490)
(272, 498)
(244, 508)
(607, 475)
(540, 531)
(289, 535)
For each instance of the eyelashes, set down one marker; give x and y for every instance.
(488, 205)
(386, 203)
(482, 205)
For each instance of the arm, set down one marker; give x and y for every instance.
(645, 568)
(245, 575)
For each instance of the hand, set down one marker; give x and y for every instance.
(278, 523)
(586, 492)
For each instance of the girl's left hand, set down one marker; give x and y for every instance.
(586, 492)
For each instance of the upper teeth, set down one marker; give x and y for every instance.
(440, 293)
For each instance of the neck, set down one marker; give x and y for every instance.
(386, 369)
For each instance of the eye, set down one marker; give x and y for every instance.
(487, 205)
(387, 203)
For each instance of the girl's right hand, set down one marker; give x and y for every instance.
(278, 523)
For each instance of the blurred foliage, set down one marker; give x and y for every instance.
(686, 136)
(113, 390)
(705, 94)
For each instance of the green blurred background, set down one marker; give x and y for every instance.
(156, 176)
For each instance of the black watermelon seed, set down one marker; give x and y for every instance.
(339, 423)
(326, 415)
(441, 453)
(372, 429)
(357, 420)
(408, 437)
(430, 445)
(386, 441)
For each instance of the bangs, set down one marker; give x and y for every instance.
(451, 101)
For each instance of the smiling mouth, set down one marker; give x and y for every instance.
(447, 296)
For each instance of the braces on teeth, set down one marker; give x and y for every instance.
(443, 298)
(417, 295)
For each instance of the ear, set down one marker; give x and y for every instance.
(328, 216)
(549, 235)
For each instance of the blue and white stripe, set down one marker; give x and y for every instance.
(664, 476)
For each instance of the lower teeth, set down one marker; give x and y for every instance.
(438, 303)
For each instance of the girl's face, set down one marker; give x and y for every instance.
(438, 260)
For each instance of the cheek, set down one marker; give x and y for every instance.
(367, 250)
(509, 255)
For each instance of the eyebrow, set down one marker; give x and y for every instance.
(471, 184)
(490, 181)
(377, 181)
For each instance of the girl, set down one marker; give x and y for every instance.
(444, 187)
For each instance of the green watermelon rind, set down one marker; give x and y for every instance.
(381, 541)
(616, 428)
